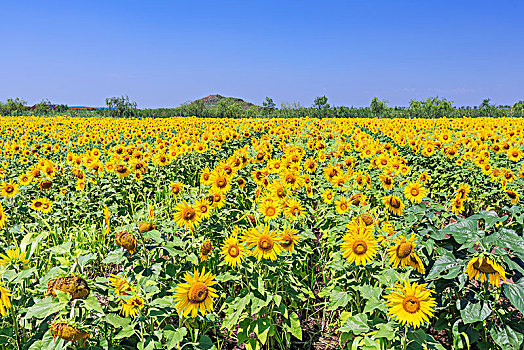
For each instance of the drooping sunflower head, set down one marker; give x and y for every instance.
(126, 240)
(205, 250)
(393, 204)
(401, 250)
(73, 284)
(485, 269)
(67, 330)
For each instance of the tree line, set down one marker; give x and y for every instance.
(431, 107)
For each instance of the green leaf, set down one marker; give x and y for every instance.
(126, 332)
(175, 337)
(338, 299)
(357, 324)
(43, 308)
(92, 303)
(117, 321)
(447, 264)
(385, 330)
(374, 303)
(115, 257)
(234, 312)
(205, 343)
(62, 249)
(296, 329)
(474, 312)
(463, 231)
(84, 259)
(506, 337)
(515, 293)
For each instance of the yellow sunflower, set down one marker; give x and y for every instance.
(186, 216)
(196, 294)
(5, 302)
(414, 192)
(393, 204)
(411, 303)
(3, 216)
(289, 237)
(483, 269)
(328, 196)
(269, 209)
(120, 284)
(220, 181)
(232, 251)
(359, 244)
(8, 189)
(14, 258)
(342, 205)
(386, 182)
(131, 307)
(401, 250)
(263, 242)
(294, 209)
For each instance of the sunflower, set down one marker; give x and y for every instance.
(25, 179)
(386, 182)
(328, 196)
(41, 204)
(463, 191)
(411, 303)
(359, 245)
(393, 204)
(263, 242)
(131, 307)
(120, 284)
(269, 209)
(205, 250)
(220, 181)
(67, 330)
(342, 205)
(196, 294)
(232, 251)
(5, 302)
(217, 199)
(414, 192)
(205, 176)
(15, 258)
(203, 207)
(401, 250)
(514, 154)
(122, 170)
(288, 238)
(186, 216)
(294, 209)
(126, 240)
(3, 216)
(416, 262)
(457, 206)
(513, 196)
(424, 177)
(8, 189)
(485, 269)
(176, 187)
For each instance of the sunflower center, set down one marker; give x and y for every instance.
(233, 251)
(395, 203)
(206, 248)
(221, 182)
(206, 176)
(360, 247)
(9, 189)
(286, 241)
(197, 293)
(265, 243)
(270, 211)
(295, 211)
(280, 192)
(189, 214)
(411, 304)
(414, 192)
(404, 250)
(343, 206)
(512, 194)
(387, 181)
(485, 267)
(203, 209)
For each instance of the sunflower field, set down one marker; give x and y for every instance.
(217, 233)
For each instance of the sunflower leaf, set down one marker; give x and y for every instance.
(515, 293)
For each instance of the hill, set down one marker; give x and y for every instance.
(211, 101)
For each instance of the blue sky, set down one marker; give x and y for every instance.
(163, 53)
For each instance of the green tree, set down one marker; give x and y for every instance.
(321, 102)
(43, 107)
(432, 107)
(121, 106)
(378, 107)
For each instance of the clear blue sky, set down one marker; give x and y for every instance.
(162, 53)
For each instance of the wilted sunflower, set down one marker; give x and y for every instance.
(205, 250)
(414, 192)
(483, 269)
(288, 238)
(416, 262)
(74, 285)
(132, 306)
(68, 331)
(411, 303)
(232, 251)
(263, 242)
(14, 258)
(126, 240)
(401, 250)
(393, 204)
(120, 284)
(5, 302)
(359, 245)
(146, 227)
(196, 294)
(186, 216)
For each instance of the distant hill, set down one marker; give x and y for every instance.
(211, 101)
